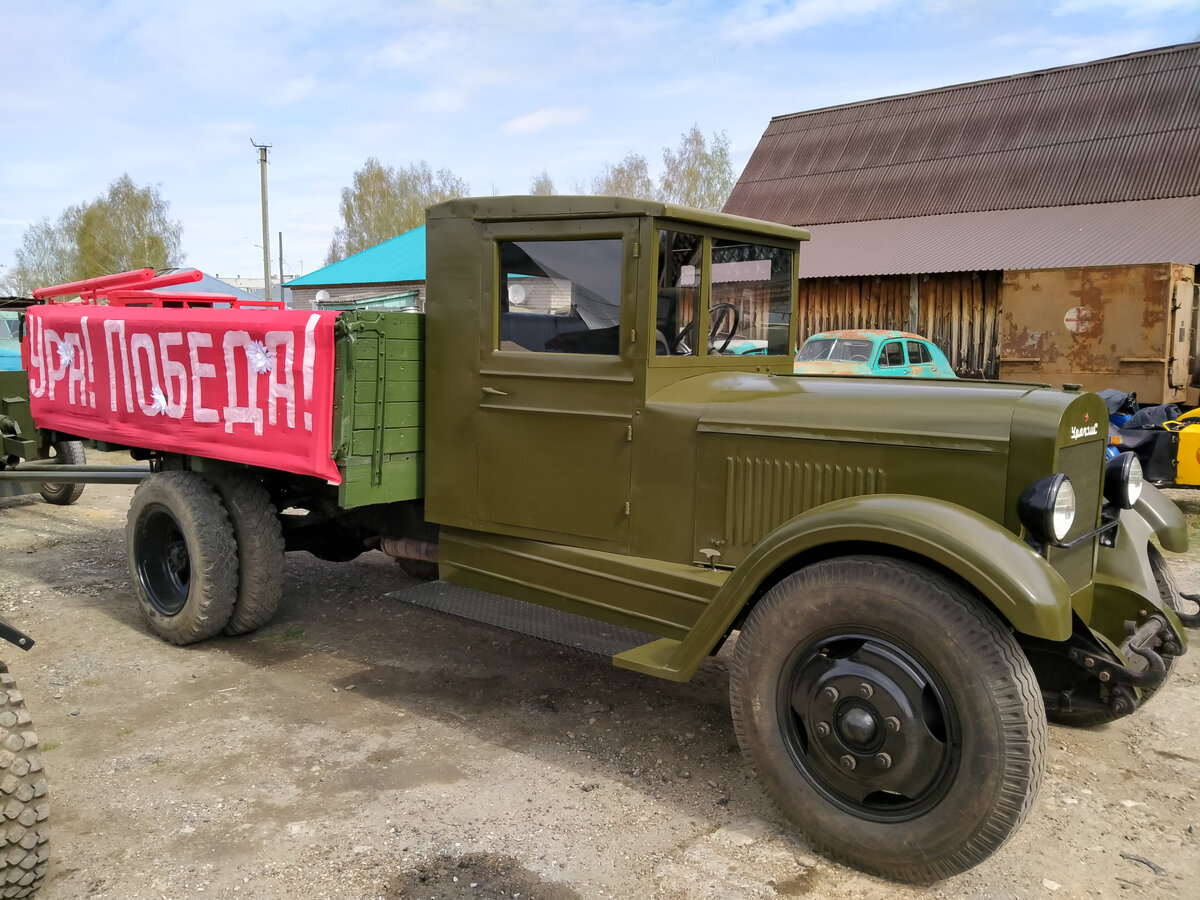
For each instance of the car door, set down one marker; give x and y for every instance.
(557, 385)
(920, 360)
(890, 360)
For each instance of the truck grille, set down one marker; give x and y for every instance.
(1079, 463)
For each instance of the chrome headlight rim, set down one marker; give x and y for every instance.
(1123, 480)
(1047, 508)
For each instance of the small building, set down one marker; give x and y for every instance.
(1042, 226)
(390, 274)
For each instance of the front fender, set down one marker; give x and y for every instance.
(1125, 587)
(1164, 518)
(1023, 587)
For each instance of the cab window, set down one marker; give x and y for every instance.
(751, 294)
(560, 296)
(891, 355)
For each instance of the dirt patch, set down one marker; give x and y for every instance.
(361, 748)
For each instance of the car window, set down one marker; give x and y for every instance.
(918, 353)
(892, 354)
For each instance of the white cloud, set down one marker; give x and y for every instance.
(763, 23)
(545, 119)
(1130, 8)
(1040, 47)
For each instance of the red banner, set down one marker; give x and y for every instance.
(248, 386)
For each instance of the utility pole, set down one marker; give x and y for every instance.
(266, 244)
(281, 298)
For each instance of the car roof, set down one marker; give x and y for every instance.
(847, 334)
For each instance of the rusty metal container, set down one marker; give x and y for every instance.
(1130, 327)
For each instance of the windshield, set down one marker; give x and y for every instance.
(835, 348)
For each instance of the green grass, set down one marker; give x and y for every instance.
(288, 634)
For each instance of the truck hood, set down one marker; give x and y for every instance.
(914, 412)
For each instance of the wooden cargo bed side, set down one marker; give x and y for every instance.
(378, 425)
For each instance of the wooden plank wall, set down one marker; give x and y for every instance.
(958, 311)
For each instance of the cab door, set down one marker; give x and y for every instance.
(557, 387)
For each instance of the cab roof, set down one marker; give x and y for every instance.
(530, 207)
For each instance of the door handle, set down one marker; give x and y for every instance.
(493, 392)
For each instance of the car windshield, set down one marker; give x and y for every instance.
(835, 348)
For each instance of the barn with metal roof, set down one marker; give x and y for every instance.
(1044, 225)
(391, 273)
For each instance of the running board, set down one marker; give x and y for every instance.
(542, 622)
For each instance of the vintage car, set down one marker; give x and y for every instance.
(870, 352)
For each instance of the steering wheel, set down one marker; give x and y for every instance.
(723, 312)
(718, 314)
(858, 357)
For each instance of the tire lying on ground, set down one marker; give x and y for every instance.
(67, 453)
(24, 802)
(890, 716)
(259, 538)
(182, 556)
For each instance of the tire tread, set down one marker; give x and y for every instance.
(983, 637)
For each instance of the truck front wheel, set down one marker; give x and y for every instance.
(890, 716)
(182, 556)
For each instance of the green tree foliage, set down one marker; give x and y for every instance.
(697, 174)
(46, 256)
(628, 178)
(125, 228)
(384, 202)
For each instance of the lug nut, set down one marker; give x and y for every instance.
(831, 694)
(883, 760)
(848, 762)
(892, 724)
(865, 691)
(823, 729)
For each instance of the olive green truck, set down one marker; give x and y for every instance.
(915, 573)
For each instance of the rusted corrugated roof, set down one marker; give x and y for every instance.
(1119, 129)
(1099, 234)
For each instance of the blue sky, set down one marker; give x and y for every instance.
(173, 93)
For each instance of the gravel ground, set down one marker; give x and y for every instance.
(358, 747)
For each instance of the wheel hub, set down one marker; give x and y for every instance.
(858, 727)
(869, 726)
(164, 565)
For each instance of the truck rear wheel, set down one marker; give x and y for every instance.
(890, 716)
(67, 453)
(182, 556)
(259, 539)
(24, 802)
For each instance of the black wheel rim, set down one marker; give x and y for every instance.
(869, 726)
(163, 563)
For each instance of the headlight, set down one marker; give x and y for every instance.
(1123, 480)
(1047, 508)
